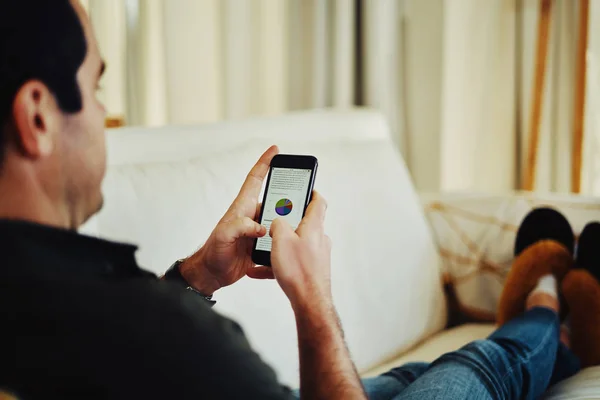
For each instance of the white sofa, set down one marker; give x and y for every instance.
(167, 187)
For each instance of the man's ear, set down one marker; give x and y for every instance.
(36, 116)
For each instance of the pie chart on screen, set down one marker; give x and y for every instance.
(283, 207)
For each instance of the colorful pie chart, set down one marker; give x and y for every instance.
(283, 207)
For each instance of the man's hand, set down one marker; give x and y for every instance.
(226, 256)
(301, 263)
(301, 260)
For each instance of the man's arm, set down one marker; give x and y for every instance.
(326, 370)
(174, 276)
(225, 257)
(301, 265)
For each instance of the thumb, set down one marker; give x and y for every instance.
(242, 227)
(280, 228)
(260, 273)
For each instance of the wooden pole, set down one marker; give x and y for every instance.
(579, 111)
(113, 122)
(537, 94)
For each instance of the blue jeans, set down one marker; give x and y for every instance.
(518, 361)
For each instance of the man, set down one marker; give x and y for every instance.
(79, 318)
(86, 320)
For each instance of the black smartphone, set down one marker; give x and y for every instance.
(287, 194)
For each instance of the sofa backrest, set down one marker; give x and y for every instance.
(166, 188)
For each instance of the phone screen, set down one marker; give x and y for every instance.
(286, 198)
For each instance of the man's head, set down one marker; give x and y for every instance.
(51, 123)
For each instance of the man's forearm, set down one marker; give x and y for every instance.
(326, 369)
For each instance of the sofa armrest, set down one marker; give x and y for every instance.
(475, 234)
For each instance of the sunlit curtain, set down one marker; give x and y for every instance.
(489, 52)
(477, 128)
(591, 162)
(556, 130)
(454, 78)
(190, 61)
(195, 61)
(556, 127)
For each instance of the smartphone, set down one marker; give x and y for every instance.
(287, 194)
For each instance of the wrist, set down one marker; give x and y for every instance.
(316, 315)
(312, 304)
(306, 293)
(197, 275)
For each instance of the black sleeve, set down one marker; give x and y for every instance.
(174, 276)
(201, 354)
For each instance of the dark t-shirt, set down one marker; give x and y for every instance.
(79, 319)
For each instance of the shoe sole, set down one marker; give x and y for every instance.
(544, 224)
(588, 250)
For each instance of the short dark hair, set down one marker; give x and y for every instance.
(44, 40)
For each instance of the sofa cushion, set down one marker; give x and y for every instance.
(432, 348)
(178, 181)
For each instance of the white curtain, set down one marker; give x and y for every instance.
(196, 61)
(591, 161)
(488, 66)
(556, 129)
(477, 129)
(556, 134)
(453, 77)
(192, 61)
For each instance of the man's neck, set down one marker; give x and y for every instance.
(24, 198)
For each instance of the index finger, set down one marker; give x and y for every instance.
(256, 176)
(315, 213)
